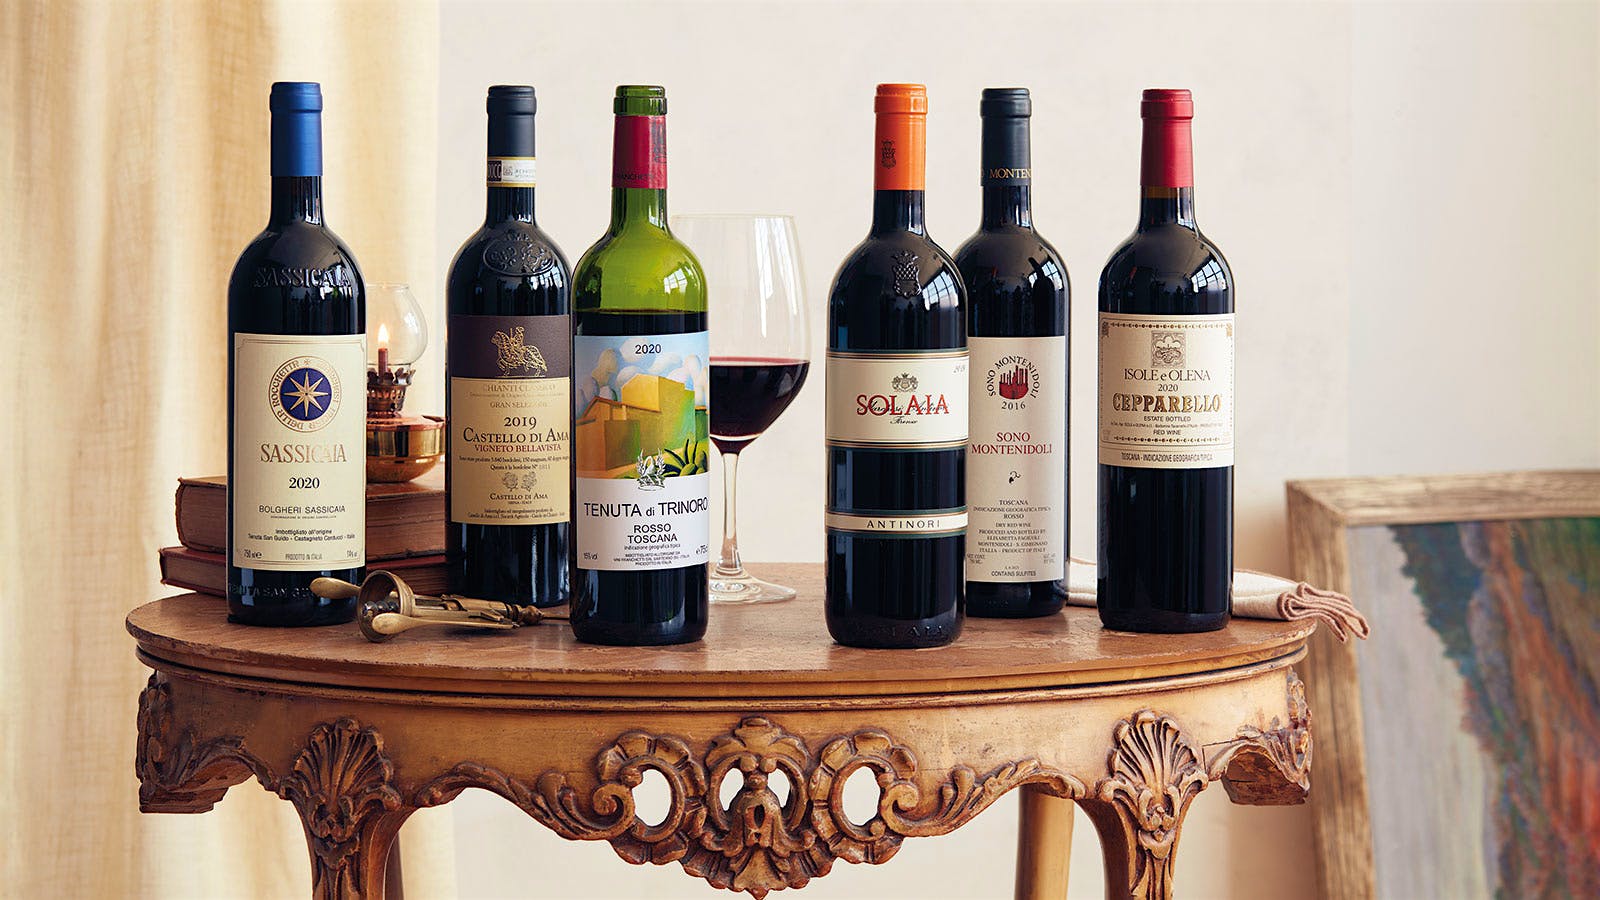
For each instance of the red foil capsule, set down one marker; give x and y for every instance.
(639, 152)
(1168, 156)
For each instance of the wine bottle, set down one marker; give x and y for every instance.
(509, 390)
(296, 374)
(1017, 291)
(896, 410)
(641, 416)
(1166, 401)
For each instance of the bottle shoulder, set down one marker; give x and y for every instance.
(897, 265)
(1015, 256)
(505, 258)
(639, 268)
(1167, 268)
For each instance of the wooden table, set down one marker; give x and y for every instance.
(359, 735)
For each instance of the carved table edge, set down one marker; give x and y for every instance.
(343, 785)
(729, 704)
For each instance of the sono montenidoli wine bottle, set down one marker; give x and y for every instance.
(1166, 401)
(509, 397)
(641, 422)
(296, 393)
(896, 410)
(1017, 334)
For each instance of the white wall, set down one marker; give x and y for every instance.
(1407, 196)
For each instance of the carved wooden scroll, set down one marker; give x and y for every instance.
(757, 842)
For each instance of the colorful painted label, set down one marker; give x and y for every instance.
(1017, 459)
(1166, 391)
(510, 419)
(299, 486)
(642, 450)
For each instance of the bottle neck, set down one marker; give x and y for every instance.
(1007, 205)
(639, 172)
(296, 198)
(638, 206)
(1166, 175)
(1166, 206)
(898, 210)
(509, 203)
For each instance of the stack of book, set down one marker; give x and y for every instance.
(405, 533)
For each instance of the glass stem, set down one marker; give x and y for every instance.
(728, 565)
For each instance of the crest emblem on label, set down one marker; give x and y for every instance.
(305, 393)
(513, 355)
(1012, 377)
(905, 381)
(1166, 349)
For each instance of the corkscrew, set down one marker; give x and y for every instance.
(388, 606)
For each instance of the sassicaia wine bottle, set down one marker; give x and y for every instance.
(509, 389)
(296, 377)
(641, 417)
(1166, 401)
(896, 410)
(1017, 334)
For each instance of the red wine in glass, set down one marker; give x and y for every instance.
(751, 393)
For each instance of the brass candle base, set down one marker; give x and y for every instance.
(403, 447)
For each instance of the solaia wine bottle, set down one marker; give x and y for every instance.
(509, 397)
(296, 381)
(1017, 334)
(896, 410)
(641, 413)
(1166, 401)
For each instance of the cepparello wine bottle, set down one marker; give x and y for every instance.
(896, 410)
(641, 411)
(509, 394)
(296, 393)
(1017, 295)
(1166, 401)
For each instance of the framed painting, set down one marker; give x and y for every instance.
(1458, 749)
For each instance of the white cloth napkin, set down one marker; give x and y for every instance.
(1256, 595)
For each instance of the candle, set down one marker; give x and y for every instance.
(383, 350)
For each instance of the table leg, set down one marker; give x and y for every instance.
(1044, 845)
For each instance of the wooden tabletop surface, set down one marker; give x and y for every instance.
(775, 650)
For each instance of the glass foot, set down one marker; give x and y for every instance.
(743, 588)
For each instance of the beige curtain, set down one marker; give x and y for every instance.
(134, 161)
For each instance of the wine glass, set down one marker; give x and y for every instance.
(760, 353)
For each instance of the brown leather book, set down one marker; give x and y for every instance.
(207, 573)
(403, 520)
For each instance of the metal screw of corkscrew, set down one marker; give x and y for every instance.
(388, 606)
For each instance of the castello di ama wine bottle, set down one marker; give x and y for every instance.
(509, 387)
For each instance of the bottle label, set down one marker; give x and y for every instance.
(1166, 391)
(510, 419)
(916, 400)
(641, 438)
(934, 523)
(639, 152)
(299, 487)
(511, 171)
(1017, 459)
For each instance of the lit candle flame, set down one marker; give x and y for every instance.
(383, 336)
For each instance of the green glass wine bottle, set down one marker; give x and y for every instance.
(641, 417)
